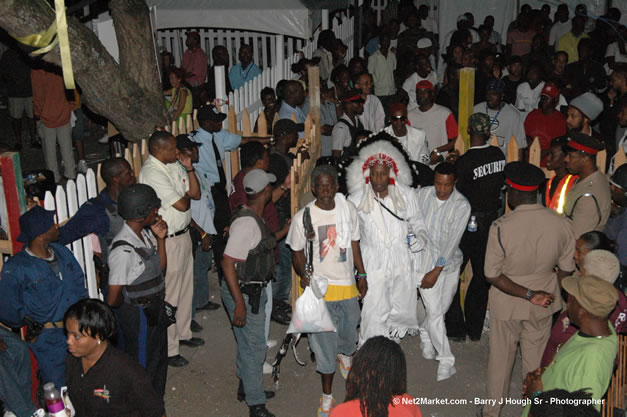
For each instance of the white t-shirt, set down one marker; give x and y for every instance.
(244, 235)
(558, 30)
(414, 143)
(614, 51)
(373, 117)
(527, 99)
(329, 260)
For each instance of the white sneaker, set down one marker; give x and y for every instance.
(8, 413)
(445, 372)
(267, 368)
(82, 166)
(104, 140)
(271, 343)
(428, 351)
(346, 363)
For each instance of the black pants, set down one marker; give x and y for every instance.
(470, 321)
(221, 220)
(148, 345)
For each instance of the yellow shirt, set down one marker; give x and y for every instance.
(568, 43)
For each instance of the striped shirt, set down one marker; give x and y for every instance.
(446, 222)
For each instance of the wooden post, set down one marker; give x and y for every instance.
(137, 160)
(181, 126)
(512, 150)
(620, 158)
(262, 124)
(466, 101)
(601, 158)
(14, 195)
(246, 130)
(144, 150)
(195, 119)
(494, 141)
(535, 152)
(175, 130)
(188, 124)
(232, 118)
(460, 145)
(99, 180)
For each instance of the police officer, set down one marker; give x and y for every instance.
(136, 283)
(588, 202)
(524, 246)
(38, 284)
(248, 265)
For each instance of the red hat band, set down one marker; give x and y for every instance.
(520, 187)
(583, 148)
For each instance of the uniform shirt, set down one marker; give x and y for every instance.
(125, 265)
(239, 76)
(568, 43)
(410, 86)
(341, 134)
(286, 111)
(373, 117)
(505, 123)
(589, 213)
(171, 183)
(438, 122)
(91, 217)
(558, 30)
(225, 142)
(526, 244)
(382, 70)
(204, 209)
(545, 127)
(49, 101)
(244, 235)
(480, 177)
(446, 222)
(114, 386)
(196, 63)
(414, 143)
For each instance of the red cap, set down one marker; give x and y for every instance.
(425, 84)
(550, 90)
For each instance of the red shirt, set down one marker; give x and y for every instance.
(546, 128)
(49, 100)
(195, 62)
(405, 408)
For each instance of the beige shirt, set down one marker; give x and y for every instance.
(170, 182)
(382, 70)
(588, 204)
(525, 245)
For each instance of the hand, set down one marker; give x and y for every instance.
(159, 228)
(434, 158)
(286, 227)
(206, 243)
(226, 231)
(185, 160)
(532, 383)
(542, 298)
(3, 346)
(429, 279)
(362, 286)
(452, 156)
(304, 281)
(239, 315)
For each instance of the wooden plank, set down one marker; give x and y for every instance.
(466, 101)
(14, 194)
(235, 167)
(620, 158)
(99, 180)
(144, 151)
(601, 158)
(232, 119)
(71, 191)
(460, 145)
(189, 126)
(262, 125)
(128, 156)
(246, 130)
(195, 120)
(494, 141)
(181, 126)
(512, 150)
(535, 151)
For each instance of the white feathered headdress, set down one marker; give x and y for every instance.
(380, 152)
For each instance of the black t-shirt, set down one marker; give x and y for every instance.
(480, 177)
(510, 90)
(114, 386)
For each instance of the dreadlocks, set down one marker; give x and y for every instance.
(379, 373)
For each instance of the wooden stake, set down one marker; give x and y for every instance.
(460, 145)
(620, 158)
(512, 150)
(535, 152)
(262, 125)
(494, 141)
(246, 130)
(466, 101)
(601, 158)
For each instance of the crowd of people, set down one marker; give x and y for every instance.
(395, 217)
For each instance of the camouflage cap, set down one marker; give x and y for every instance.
(479, 124)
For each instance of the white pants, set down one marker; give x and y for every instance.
(437, 300)
(389, 305)
(50, 137)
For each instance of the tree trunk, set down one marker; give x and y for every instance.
(127, 94)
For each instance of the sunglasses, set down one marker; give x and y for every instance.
(401, 118)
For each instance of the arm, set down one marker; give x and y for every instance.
(362, 284)
(180, 104)
(160, 230)
(90, 218)
(509, 287)
(194, 187)
(230, 275)
(298, 262)
(585, 216)
(12, 306)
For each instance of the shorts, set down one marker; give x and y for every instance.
(19, 105)
(326, 345)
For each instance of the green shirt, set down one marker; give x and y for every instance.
(582, 363)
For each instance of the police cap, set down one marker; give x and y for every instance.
(580, 142)
(523, 176)
(136, 201)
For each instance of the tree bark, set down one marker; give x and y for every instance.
(128, 96)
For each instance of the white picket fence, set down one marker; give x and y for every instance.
(66, 202)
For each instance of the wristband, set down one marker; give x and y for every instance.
(529, 294)
(190, 170)
(535, 394)
(359, 276)
(203, 235)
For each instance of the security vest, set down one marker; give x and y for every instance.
(150, 283)
(559, 197)
(258, 268)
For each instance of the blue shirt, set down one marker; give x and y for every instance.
(239, 76)
(286, 111)
(225, 141)
(91, 217)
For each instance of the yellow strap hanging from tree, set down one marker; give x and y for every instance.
(46, 40)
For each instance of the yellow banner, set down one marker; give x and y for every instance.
(64, 45)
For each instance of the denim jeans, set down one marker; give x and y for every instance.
(15, 375)
(202, 264)
(326, 345)
(251, 347)
(282, 285)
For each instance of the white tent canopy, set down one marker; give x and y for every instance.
(287, 17)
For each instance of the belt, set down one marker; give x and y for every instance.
(180, 232)
(54, 325)
(254, 284)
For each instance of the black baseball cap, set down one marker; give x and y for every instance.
(211, 113)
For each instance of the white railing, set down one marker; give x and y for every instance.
(66, 202)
